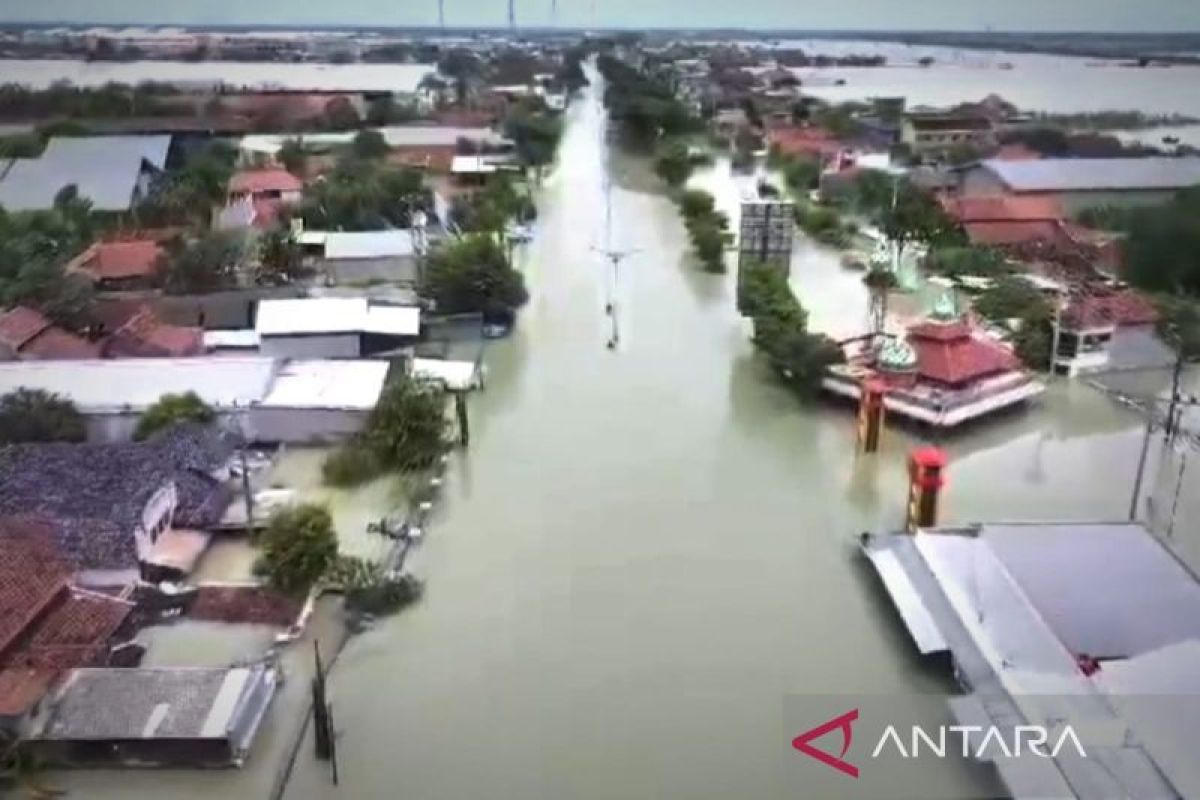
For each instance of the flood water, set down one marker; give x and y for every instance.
(645, 551)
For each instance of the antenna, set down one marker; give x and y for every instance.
(512, 15)
(553, 13)
(442, 15)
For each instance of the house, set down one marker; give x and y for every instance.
(156, 717)
(131, 329)
(358, 257)
(1080, 183)
(111, 172)
(120, 265)
(267, 183)
(1104, 329)
(935, 134)
(334, 327)
(1092, 625)
(1003, 220)
(942, 373)
(47, 624)
(269, 400)
(115, 509)
(804, 141)
(27, 335)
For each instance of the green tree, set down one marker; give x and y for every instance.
(172, 409)
(953, 262)
(695, 203)
(298, 547)
(364, 196)
(32, 415)
(916, 217)
(473, 274)
(369, 145)
(340, 114)
(207, 264)
(280, 259)
(1012, 297)
(535, 134)
(1179, 324)
(408, 428)
(293, 156)
(802, 174)
(1162, 246)
(673, 164)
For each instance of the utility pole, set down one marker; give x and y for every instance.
(614, 257)
(442, 15)
(553, 13)
(512, 15)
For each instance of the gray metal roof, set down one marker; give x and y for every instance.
(1108, 590)
(158, 703)
(1096, 174)
(105, 169)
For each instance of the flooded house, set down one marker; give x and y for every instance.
(941, 372)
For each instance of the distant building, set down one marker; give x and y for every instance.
(156, 717)
(936, 134)
(121, 265)
(1001, 220)
(1109, 329)
(1081, 183)
(270, 400)
(804, 141)
(359, 257)
(111, 172)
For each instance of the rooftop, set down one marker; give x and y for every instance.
(132, 258)
(104, 169)
(1096, 174)
(1002, 208)
(271, 179)
(27, 334)
(361, 244)
(317, 315)
(949, 353)
(1108, 310)
(350, 385)
(159, 703)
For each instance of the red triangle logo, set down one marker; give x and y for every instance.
(838, 762)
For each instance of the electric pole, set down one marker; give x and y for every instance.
(442, 15)
(512, 15)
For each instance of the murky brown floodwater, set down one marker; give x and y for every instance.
(645, 551)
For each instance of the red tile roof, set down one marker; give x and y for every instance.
(803, 140)
(19, 325)
(1002, 208)
(1016, 152)
(75, 633)
(135, 258)
(949, 354)
(31, 336)
(32, 572)
(1113, 309)
(244, 604)
(270, 179)
(999, 234)
(21, 688)
(140, 334)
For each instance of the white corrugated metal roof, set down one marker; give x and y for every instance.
(457, 376)
(368, 244)
(104, 169)
(241, 339)
(394, 135)
(349, 385)
(393, 320)
(301, 316)
(471, 165)
(307, 315)
(1096, 174)
(110, 385)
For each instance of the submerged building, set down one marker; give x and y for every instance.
(942, 372)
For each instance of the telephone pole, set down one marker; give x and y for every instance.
(442, 15)
(512, 15)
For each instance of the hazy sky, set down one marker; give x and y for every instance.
(1112, 15)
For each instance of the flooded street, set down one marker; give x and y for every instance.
(645, 551)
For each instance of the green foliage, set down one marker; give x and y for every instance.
(280, 259)
(172, 409)
(1012, 297)
(34, 247)
(408, 428)
(491, 209)
(916, 217)
(386, 111)
(363, 196)
(352, 464)
(32, 415)
(696, 203)
(340, 114)
(673, 164)
(643, 104)
(840, 120)
(1179, 324)
(369, 589)
(293, 156)
(535, 133)
(780, 329)
(1162, 247)
(802, 174)
(369, 145)
(188, 195)
(1034, 339)
(822, 223)
(21, 145)
(112, 100)
(207, 264)
(298, 546)
(953, 262)
(473, 274)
